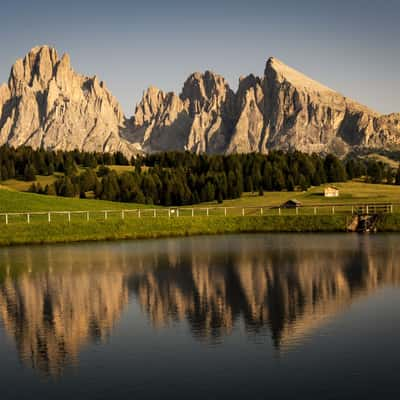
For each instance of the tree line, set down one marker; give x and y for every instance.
(180, 178)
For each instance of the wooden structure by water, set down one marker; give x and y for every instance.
(366, 217)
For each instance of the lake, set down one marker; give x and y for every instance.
(242, 316)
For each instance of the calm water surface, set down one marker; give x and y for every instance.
(250, 316)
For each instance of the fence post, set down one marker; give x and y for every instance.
(225, 212)
(6, 219)
(243, 212)
(138, 213)
(192, 212)
(105, 215)
(367, 210)
(28, 218)
(208, 212)
(297, 210)
(279, 211)
(352, 209)
(177, 212)
(333, 210)
(391, 209)
(169, 213)
(155, 213)
(49, 217)
(315, 210)
(261, 211)
(87, 216)
(69, 217)
(122, 214)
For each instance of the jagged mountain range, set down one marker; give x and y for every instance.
(47, 104)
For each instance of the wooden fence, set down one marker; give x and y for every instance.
(180, 212)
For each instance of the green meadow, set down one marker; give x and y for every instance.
(135, 224)
(352, 192)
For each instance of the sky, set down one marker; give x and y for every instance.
(352, 46)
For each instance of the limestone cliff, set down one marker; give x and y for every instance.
(284, 109)
(47, 104)
(199, 120)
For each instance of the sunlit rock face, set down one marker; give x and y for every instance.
(199, 120)
(47, 104)
(284, 109)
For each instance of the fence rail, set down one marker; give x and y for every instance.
(180, 212)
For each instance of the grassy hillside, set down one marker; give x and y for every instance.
(381, 158)
(18, 231)
(350, 193)
(13, 201)
(43, 180)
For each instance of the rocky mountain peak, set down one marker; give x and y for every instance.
(34, 70)
(150, 105)
(284, 109)
(279, 71)
(206, 91)
(46, 103)
(204, 86)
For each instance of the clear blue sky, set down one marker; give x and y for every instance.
(352, 46)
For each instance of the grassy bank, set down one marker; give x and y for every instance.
(389, 223)
(164, 227)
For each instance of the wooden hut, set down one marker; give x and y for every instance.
(293, 203)
(331, 191)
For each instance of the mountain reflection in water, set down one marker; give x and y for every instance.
(56, 299)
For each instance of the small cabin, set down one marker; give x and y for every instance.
(331, 191)
(293, 203)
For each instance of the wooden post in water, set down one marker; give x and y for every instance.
(261, 211)
(6, 219)
(192, 212)
(28, 218)
(243, 212)
(154, 213)
(69, 217)
(225, 211)
(49, 217)
(105, 215)
(208, 213)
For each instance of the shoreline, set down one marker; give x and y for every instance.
(148, 228)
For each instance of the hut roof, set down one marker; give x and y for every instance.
(292, 203)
